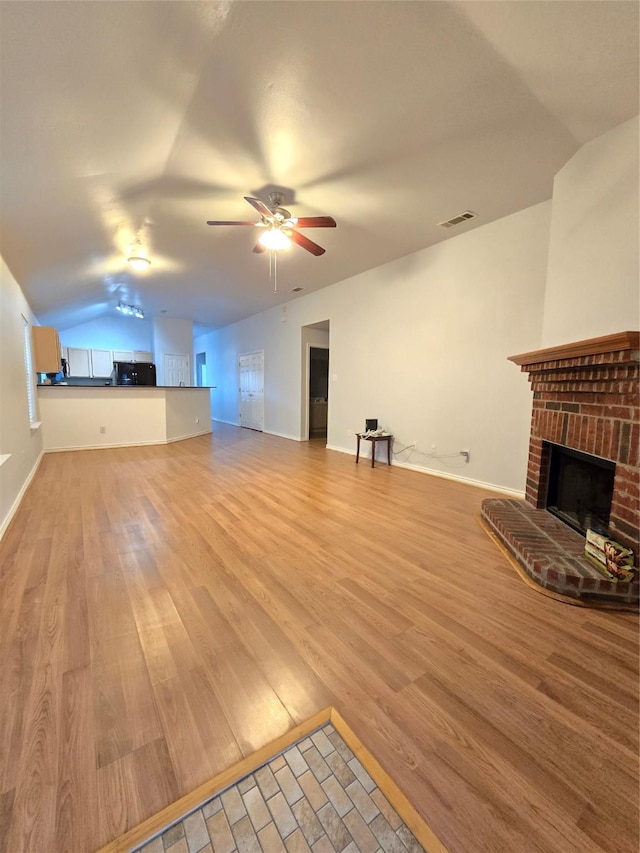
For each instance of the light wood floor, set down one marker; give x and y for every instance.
(166, 610)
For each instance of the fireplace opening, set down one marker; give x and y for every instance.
(580, 489)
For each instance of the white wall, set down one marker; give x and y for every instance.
(593, 278)
(172, 337)
(421, 344)
(188, 412)
(17, 440)
(110, 332)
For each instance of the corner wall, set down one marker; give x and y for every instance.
(17, 440)
(172, 337)
(593, 280)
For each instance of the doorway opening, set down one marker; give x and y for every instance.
(201, 369)
(315, 386)
(318, 391)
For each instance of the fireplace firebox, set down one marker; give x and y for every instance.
(580, 489)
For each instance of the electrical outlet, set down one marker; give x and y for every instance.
(103, 429)
(434, 449)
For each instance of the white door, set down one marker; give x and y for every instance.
(252, 390)
(177, 370)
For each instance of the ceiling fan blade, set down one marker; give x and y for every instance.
(306, 243)
(259, 248)
(260, 206)
(212, 222)
(316, 222)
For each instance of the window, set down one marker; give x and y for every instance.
(32, 401)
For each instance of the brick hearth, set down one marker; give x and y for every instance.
(585, 397)
(551, 553)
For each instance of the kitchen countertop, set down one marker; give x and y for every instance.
(137, 387)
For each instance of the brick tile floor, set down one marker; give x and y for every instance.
(316, 797)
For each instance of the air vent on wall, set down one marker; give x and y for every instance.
(296, 289)
(457, 220)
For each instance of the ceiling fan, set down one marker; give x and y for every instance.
(280, 226)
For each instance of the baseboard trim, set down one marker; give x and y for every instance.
(16, 504)
(420, 469)
(128, 444)
(191, 435)
(282, 435)
(223, 421)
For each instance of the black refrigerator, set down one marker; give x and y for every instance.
(134, 373)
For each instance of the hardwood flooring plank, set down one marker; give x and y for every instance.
(190, 760)
(295, 683)
(253, 710)
(132, 788)
(33, 814)
(76, 788)
(6, 809)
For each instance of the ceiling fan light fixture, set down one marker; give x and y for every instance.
(274, 239)
(139, 262)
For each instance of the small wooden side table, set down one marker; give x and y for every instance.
(374, 439)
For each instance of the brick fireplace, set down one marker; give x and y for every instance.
(586, 398)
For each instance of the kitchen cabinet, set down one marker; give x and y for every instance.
(101, 363)
(132, 355)
(46, 349)
(78, 361)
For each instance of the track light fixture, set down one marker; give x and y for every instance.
(130, 310)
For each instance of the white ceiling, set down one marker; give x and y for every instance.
(389, 116)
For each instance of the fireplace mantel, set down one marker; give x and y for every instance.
(620, 342)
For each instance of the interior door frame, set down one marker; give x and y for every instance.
(306, 426)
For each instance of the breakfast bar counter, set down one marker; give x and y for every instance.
(76, 417)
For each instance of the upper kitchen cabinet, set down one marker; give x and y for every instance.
(46, 349)
(78, 361)
(123, 355)
(89, 362)
(101, 362)
(132, 355)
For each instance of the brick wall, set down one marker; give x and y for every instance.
(586, 396)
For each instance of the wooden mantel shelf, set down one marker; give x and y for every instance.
(619, 342)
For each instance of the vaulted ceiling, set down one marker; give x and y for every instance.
(149, 118)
